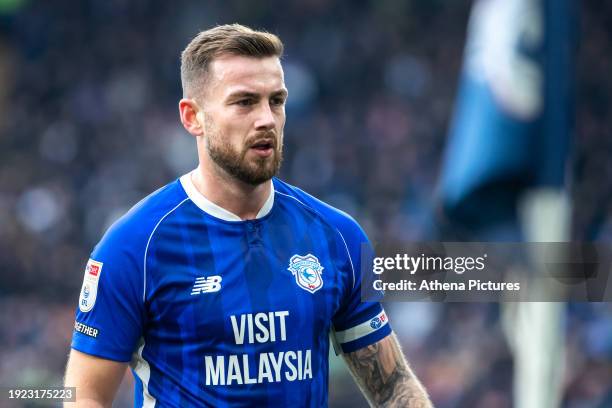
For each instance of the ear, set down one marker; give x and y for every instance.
(191, 116)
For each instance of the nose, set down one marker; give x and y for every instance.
(265, 118)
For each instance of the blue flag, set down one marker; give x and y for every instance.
(514, 113)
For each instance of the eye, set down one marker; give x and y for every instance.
(277, 101)
(245, 102)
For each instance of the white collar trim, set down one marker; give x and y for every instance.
(215, 210)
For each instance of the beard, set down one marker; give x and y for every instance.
(233, 161)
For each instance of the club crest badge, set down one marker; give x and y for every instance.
(307, 272)
(89, 291)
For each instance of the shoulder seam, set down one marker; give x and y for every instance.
(337, 230)
(144, 266)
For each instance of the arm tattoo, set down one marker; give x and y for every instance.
(384, 376)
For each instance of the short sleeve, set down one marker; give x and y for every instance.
(110, 315)
(358, 324)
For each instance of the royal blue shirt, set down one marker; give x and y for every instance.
(214, 311)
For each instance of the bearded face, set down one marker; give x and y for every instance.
(255, 161)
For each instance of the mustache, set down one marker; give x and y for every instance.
(263, 138)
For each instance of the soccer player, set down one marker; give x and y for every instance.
(221, 288)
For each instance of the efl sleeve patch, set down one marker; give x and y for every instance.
(89, 290)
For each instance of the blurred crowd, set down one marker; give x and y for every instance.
(89, 125)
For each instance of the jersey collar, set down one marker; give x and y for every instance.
(217, 211)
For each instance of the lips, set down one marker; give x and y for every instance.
(263, 144)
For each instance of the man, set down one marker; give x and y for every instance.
(221, 288)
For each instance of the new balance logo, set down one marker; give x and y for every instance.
(206, 285)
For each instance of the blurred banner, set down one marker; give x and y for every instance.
(514, 112)
(506, 161)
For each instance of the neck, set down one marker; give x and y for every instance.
(235, 196)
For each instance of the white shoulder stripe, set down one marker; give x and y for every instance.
(143, 371)
(363, 329)
(144, 286)
(337, 230)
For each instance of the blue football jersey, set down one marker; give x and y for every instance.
(211, 310)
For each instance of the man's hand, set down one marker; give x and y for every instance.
(384, 376)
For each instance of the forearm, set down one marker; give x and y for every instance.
(385, 377)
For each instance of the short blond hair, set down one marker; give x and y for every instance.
(232, 39)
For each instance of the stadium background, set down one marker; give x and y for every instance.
(89, 125)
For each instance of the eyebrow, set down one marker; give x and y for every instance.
(247, 94)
